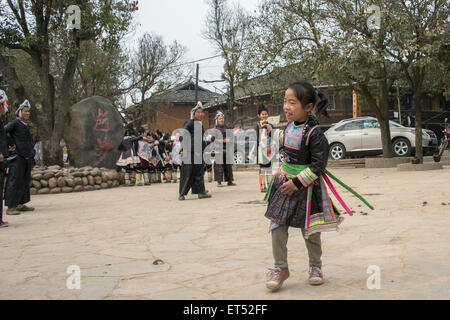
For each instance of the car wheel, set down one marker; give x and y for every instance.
(238, 158)
(401, 147)
(337, 151)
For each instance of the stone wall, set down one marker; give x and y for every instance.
(54, 179)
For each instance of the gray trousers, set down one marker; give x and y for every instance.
(279, 247)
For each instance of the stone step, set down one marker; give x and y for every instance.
(353, 163)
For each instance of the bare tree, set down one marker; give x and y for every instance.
(227, 29)
(153, 67)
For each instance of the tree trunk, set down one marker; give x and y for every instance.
(51, 151)
(386, 141)
(381, 112)
(418, 126)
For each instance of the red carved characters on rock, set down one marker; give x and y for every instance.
(101, 148)
(102, 123)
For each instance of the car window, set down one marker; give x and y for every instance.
(371, 124)
(394, 124)
(352, 125)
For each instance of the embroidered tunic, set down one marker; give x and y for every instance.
(306, 161)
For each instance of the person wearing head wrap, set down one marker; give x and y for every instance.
(198, 106)
(3, 150)
(263, 151)
(19, 175)
(225, 168)
(192, 170)
(4, 101)
(128, 157)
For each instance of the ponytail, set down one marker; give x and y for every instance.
(306, 94)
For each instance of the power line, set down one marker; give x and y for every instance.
(211, 81)
(185, 63)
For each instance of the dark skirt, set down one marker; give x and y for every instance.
(18, 182)
(191, 177)
(223, 172)
(143, 166)
(291, 210)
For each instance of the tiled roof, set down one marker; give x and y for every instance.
(184, 93)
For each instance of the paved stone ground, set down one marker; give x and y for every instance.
(219, 248)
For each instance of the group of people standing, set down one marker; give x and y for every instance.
(154, 157)
(148, 157)
(16, 159)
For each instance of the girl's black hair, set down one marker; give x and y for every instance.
(262, 108)
(129, 132)
(154, 136)
(306, 94)
(141, 130)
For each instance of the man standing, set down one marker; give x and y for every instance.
(19, 175)
(3, 152)
(191, 173)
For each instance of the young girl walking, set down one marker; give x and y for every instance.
(297, 195)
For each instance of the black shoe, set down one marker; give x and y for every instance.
(219, 184)
(181, 197)
(25, 208)
(231, 183)
(204, 195)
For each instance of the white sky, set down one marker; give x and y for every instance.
(184, 20)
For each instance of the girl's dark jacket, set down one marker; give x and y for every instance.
(291, 210)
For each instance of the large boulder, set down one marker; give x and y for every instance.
(94, 133)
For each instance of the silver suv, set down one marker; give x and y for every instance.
(362, 136)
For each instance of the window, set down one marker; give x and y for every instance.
(394, 124)
(352, 125)
(331, 105)
(371, 124)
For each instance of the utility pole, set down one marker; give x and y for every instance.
(196, 84)
(399, 106)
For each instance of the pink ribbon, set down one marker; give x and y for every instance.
(338, 197)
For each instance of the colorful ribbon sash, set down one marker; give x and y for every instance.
(322, 221)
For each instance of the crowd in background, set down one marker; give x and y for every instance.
(149, 157)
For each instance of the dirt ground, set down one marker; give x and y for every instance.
(142, 243)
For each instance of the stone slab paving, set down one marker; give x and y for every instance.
(219, 248)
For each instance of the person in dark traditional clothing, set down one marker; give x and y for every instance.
(142, 169)
(128, 158)
(191, 174)
(161, 164)
(168, 167)
(154, 157)
(3, 152)
(19, 174)
(223, 169)
(263, 151)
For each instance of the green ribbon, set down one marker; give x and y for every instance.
(295, 169)
(349, 189)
